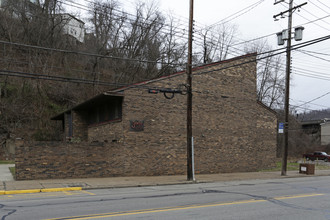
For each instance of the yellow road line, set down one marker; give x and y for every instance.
(176, 208)
(297, 196)
(92, 194)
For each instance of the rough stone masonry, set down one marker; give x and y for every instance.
(233, 132)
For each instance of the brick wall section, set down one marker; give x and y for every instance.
(226, 123)
(266, 137)
(80, 130)
(79, 123)
(52, 160)
(232, 132)
(49, 160)
(108, 132)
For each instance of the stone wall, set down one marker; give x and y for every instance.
(54, 160)
(227, 122)
(80, 131)
(232, 132)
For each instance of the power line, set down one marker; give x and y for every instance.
(307, 53)
(314, 99)
(312, 21)
(54, 78)
(310, 103)
(86, 54)
(251, 6)
(118, 17)
(318, 7)
(294, 47)
(323, 4)
(179, 64)
(242, 12)
(140, 85)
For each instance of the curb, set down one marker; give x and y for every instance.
(25, 191)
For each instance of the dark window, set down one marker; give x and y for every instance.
(108, 111)
(70, 123)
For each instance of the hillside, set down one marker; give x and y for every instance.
(314, 115)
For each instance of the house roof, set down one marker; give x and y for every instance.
(311, 122)
(266, 107)
(73, 17)
(106, 96)
(119, 91)
(316, 122)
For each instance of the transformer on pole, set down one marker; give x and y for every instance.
(281, 37)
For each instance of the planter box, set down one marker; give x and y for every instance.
(307, 168)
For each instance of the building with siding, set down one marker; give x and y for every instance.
(73, 27)
(325, 131)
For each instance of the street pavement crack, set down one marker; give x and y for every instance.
(7, 211)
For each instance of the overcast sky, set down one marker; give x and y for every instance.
(310, 73)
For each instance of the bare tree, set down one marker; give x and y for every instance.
(270, 75)
(217, 41)
(134, 39)
(173, 50)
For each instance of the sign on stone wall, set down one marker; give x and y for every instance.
(136, 125)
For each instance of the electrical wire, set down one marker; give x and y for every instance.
(57, 78)
(314, 99)
(323, 4)
(242, 12)
(309, 54)
(133, 19)
(85, 54)
(294, 47)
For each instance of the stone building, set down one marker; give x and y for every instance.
(129, 131)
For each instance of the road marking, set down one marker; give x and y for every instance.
(176, 208)
(92, 194)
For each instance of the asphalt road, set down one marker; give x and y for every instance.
(289, 198)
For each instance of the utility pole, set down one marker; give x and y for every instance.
(288, 71)
(190, 171)
(287, 93)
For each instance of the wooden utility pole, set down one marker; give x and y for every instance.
(281, 37)
(190, 172)
(287, 93)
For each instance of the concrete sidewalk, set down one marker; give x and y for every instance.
(32, 186)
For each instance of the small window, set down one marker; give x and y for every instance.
(108, 111)
(70, 125)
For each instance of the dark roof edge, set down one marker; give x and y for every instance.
(59, 116)
(266, 107)
(311, 122)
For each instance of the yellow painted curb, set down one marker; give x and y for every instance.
(61, 189)
(22, 191)
(10, 192)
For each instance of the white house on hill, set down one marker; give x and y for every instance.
(73, 27)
